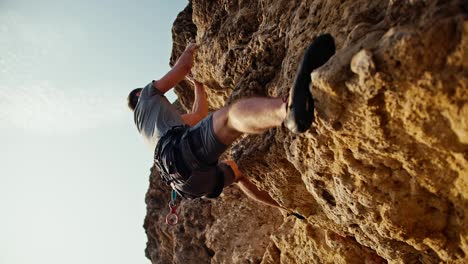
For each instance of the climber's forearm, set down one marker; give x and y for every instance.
(173, 77)
(199, 108)
(178, 72)
(200, 104)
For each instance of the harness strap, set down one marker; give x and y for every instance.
(166, 167)
(191, 159)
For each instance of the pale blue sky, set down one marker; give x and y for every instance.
(73, 169)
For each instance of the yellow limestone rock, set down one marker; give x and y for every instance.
(381, 176)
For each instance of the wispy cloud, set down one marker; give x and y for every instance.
(45, 109)
(24, 44)
(29, 102)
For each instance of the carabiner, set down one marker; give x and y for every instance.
(172, 218)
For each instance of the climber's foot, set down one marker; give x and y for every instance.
(300, 107)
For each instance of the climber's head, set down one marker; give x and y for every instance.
(133, 97)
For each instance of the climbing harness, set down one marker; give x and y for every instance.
(172, 218)
(164, 160)
(165, 154)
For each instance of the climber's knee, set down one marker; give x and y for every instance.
(223, 129)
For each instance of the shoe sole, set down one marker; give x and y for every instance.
(301, 103)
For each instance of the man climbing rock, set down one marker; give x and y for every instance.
(187, 147)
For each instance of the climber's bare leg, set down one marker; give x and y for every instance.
(251, 116)
(250, 189)
(254, 193)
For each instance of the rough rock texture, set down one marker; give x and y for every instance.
(381, 176)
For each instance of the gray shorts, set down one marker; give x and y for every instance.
(200, 150)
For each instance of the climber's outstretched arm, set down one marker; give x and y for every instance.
(200, 106)
(178, 72)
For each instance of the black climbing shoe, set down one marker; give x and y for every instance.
(300, 109)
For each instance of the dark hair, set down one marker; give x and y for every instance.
(132, 98)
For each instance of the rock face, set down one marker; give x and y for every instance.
(381, 176)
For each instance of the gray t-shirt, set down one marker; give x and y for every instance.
(154, 115)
